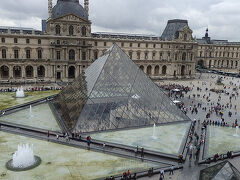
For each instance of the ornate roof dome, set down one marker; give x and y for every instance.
(64, 7)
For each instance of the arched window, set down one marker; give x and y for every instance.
(58, 29)
(29, 71)
(164, 70)
(71, 31)
(4, 53)
(4, 72)
(84, 31)
(182, 70)
(156, 71)
(184, 55)
(17, 72)
(142, 68)
(71, 72)
(149, 70)
(185, 37)
(41, 71)
(71, 54)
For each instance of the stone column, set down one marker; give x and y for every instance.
(35, 71)
(23, 71)
(153, 69)
(11, 71)
(66, 71)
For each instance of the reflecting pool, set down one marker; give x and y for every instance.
(64, 162)
(166, 138)
(222, 139)
(39, 116)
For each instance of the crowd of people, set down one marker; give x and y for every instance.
(29, 89)
(208, 105)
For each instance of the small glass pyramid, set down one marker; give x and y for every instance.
(114, 93)
(222, 171)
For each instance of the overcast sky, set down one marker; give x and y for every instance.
(222, 17)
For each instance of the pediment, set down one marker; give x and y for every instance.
(186, 29)
(72, 18)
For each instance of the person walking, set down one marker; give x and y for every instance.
(142, 152)
(162, 173)
(88, 142)
(104, 147)
(171, 170)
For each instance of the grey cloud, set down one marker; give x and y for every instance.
(137, 16)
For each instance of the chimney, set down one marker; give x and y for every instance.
(50, 8)
(86, 6)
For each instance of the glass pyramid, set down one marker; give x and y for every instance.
(222, 171)
(114, 93)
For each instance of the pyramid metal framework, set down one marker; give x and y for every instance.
(114, 93)
(222, 171)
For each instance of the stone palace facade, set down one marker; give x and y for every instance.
(66, 47)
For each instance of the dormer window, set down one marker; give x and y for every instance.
(58, 29)
(71, 30)
(84, 31)
(185, 37)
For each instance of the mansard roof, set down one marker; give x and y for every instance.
(173, 26)
(65, 7)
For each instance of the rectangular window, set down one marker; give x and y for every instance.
(4, 53)
(39, 41)
(130, 55)
(138, 55)
(83, 55)
(28, 54)
(154, 45)
(130, 44)
(39, 54)
(96, 43)
(146, 45)
(58, 54)
(15, 40)
(27, 41)
(153, 56)
(122, 44)
(146, 55)
(139, 45)
(3, 40)
(95, 55)
(16, 54)
(105, 43)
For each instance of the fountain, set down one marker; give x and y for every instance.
(236, 133)
(20, 93)
(23, 159)
(30, 111)
(154, 132)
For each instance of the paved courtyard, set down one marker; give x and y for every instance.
(200, 93)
